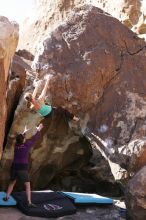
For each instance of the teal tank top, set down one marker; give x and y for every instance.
(44, 110)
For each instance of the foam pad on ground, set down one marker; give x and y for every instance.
(11, 201)
(86, 198)
(49, 204)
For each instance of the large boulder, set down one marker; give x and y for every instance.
(98, 72)
(8, 44)
(136, 195)
(47, 15)
(68, 144)
(130, 12)
(16, 83)
(97, 68)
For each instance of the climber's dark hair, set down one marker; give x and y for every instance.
(20, 139)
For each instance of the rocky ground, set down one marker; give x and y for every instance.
(83, 213)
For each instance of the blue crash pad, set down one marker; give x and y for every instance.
(86, 198)
(10, 202)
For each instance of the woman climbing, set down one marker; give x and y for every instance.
(19, 168)
(43, 109)
(39, 103)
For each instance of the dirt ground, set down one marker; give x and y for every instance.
(110, 212)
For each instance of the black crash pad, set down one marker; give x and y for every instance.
(49, 204)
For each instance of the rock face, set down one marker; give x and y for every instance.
(25, 54)
(47, 15)
(97, 69)
(130, 12)
(16, 84)
(135, 195)
(8, 43)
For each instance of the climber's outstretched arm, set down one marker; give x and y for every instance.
(35, 91)
(43, 94)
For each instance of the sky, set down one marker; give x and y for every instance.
(15, 10)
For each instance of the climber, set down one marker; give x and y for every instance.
(39, 103)
(43, 109)
(19, 168)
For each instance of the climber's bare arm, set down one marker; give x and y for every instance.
(43, 94)
(35, 91)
